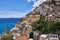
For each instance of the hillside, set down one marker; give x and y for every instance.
(49, 9)
(45, 19)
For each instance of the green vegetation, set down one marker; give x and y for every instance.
(7, 35)
(31, 35)
(47, 27)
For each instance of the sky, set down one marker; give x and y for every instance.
(17, 8)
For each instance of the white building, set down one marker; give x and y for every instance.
(43, 37)
(30, 39)
(48, 37)
(53, 37)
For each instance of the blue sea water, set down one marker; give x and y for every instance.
(10, 22)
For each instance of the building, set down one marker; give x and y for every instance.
(22, 37)
(36, 35)
(57, 8)
(15, 32)
(53, 37)
(43, 37)
(27, 29)
(49, 37)
(50, 18)
(30, 39)
(57, 2)
(18, 24)
(34, 16)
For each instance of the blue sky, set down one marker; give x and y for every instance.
(17, 8)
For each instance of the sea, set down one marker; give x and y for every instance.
(7, 22)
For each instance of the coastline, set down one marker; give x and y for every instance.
(9, 23)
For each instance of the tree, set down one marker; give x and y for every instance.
(56, 27)
(31, 35)
(7, 35)
(46, 27)
(7, 31)
(40, 25)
